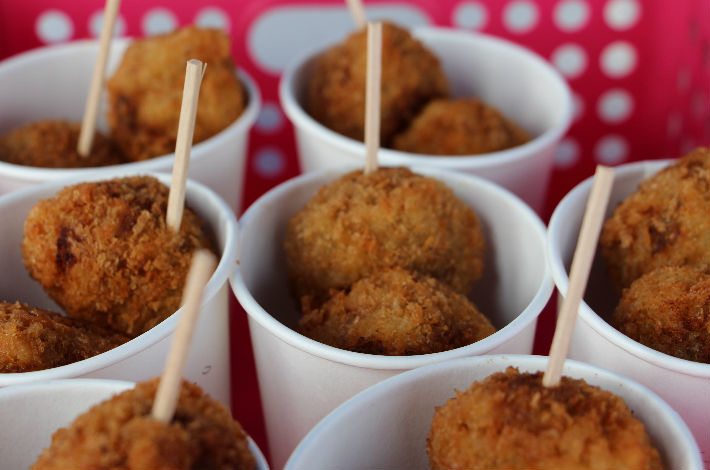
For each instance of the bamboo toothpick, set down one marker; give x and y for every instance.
(372, 95)
(186, 127)
(357, 10)
(579, 272)
(201, 268)
(91, 111)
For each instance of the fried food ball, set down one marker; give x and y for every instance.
(411, 76)
(510, 420)
(668, 309)
(145, 93)
(104, 252)
(120, 433)
(53, 144)
(394, 312)
(465, 126)
(362, 223)
(666, 222)
(35, 339)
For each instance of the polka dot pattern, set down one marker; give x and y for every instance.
(570, 60)
(618, 59)
(159, 21)
(615, 106)
(213, 17)
(571, 15)
(96, 23)
(54, 26)
(622, 14)
(568, 153)
(520, 16)
(269, 162)
(470, 15)
(611, 150)
(270, 119)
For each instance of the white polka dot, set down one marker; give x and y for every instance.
(269, 162)
(570, 60)
(675, 125)
(270, 118)
(615, 106)
(621, 14)
(96, 23)
(611, 150)
(159, 21)
(568, 153)
(618, 59)
(54, 26)
(213, 17)
(520, 16)
(577, 106)
(472, 15)
(571, 15)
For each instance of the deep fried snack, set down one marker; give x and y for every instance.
(145, 93)
(510, 420)
(666, 222)
(359, 224)
(35, 339)
(395, 313)
(104, 253)
(53, 144)
(411, 76)
(465, 126)
(668, 309)
(119, 433)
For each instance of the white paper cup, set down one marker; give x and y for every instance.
(30, 414)
(522, 85)
(143, 357)
(684, 384)
(386, 426)
(301, 380)
(53, 82)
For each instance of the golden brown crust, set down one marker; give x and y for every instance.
(510, 421)
(34, 339)
(411, 76)
(668, 309)
(53, 144)
(394, 312)
(666, 222)
(120, 434)
(465, 126)
(145, 93)
(104, 253)
(361, 223)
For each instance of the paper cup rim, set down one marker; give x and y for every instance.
(301, 119)
(587, 314)
(381, 362)
(113, 384)
(39, 174)
(394, 383)
(162, 329)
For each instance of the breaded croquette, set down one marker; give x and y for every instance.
(510, 420)
(34, 339)
(465, 126)
(411, 76)
(666, 222)
(104, 252)
(53, 144)
(394, 312)
(668, 309)
(120, 434)
(362, 223)
(145, 92)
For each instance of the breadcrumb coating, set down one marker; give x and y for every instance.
(411, 76)
(145, 92)
(511, 421)
(666, 222)
(104, 253)
(394, 312)
(464, 126)
(34, 339)
(53, 144)
(119, 433)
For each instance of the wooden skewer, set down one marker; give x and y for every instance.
(202, 267)
(91, 111)
(357, 10)
(186, 128)
(372, 95)
(579, 272)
